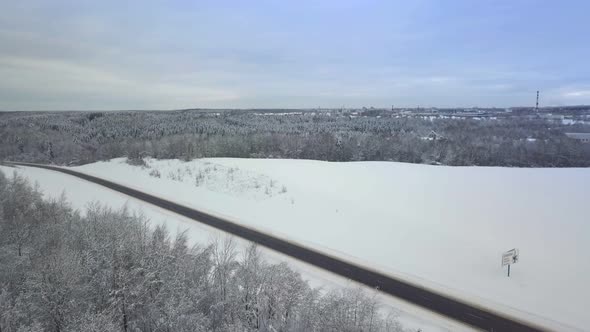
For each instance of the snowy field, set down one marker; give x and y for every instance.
(442, 227)
(80, 193)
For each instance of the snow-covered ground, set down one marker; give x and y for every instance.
(442, 227)
(81, 193)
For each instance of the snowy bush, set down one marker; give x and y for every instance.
(137, 162)
(199, 178)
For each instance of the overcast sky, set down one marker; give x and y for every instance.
(181, 54)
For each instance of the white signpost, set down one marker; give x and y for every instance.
(510, 257)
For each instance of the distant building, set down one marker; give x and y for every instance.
(434, 136)
(553, 117)
(581, 137)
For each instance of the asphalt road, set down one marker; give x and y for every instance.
(475, 316)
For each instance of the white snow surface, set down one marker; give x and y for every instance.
(441, 227)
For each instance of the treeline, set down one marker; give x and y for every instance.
(82, 137)
(110, 271)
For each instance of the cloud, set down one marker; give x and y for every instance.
(81, 84)
(105, 54)
(577, 94)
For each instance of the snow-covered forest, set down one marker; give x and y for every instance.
(83, 137)
(110, 270)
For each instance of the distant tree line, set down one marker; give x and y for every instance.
(82, 137)
(111, 271)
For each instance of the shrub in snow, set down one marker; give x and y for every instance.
(199, 178)
(137, 162)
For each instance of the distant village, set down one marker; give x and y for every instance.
(562, 114)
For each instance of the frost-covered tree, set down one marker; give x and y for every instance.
(77, 137)
(113, 271)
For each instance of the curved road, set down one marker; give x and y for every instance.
(475, 316)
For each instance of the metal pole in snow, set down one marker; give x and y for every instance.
(509, 270)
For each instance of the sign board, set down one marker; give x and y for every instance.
(510, 257)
